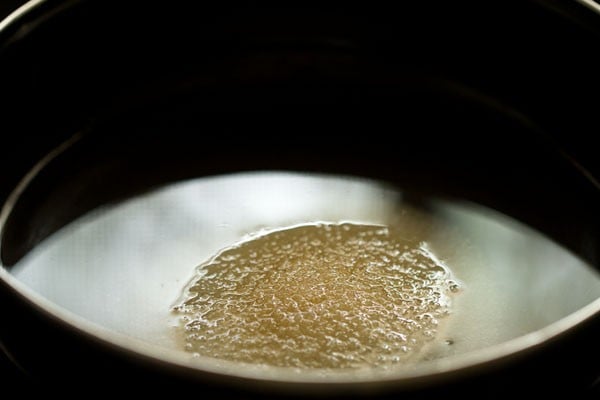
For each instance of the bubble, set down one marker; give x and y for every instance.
(318, 296)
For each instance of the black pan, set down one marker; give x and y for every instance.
(482, 101)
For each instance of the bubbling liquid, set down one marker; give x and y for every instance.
(319, 296)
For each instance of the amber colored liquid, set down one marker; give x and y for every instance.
(318, 296)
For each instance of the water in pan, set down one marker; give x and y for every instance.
(124, 266)
(319, 296)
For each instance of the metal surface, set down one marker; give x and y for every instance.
(526, 179)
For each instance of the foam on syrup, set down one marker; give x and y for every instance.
(319, 296)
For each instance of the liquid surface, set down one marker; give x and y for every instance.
(319, 296)
(123, 266)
